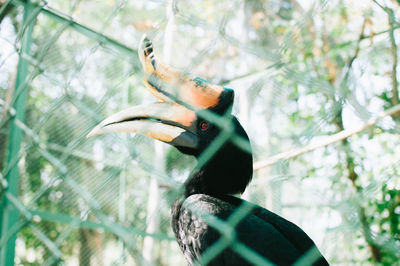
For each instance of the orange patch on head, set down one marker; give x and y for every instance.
(201, 96)
(191, 91)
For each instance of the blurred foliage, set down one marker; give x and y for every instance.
(301, 70)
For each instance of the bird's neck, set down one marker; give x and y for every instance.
(227, 172)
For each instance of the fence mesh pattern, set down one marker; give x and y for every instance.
(316, 90)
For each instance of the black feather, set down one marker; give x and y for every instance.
(208, 190)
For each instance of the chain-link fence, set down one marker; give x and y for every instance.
(66, 65)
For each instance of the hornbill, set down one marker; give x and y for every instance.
(195, 117)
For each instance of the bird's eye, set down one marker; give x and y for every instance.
(203, 125)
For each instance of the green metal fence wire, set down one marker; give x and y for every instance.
(10, 215)
(59, 187)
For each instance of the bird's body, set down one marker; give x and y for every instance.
(269, 235)
(208, 192)
(195, 117)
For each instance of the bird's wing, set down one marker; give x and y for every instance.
(294, 234)
(195, 236)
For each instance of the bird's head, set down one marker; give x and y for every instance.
(192, 115)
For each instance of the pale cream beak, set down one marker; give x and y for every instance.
(164, 121)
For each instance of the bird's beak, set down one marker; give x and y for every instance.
(165, 121)
(174, 119)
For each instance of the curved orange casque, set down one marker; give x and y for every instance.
(193, 91)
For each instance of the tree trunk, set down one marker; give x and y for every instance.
(85, 251)
(159, 162)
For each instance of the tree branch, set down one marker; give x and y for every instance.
(395, 83)
(342, 135)
(374, 248)
(278, 64)
(392, 24)
(356, 52)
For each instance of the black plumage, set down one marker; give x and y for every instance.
(181, 118)
(209, 190)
